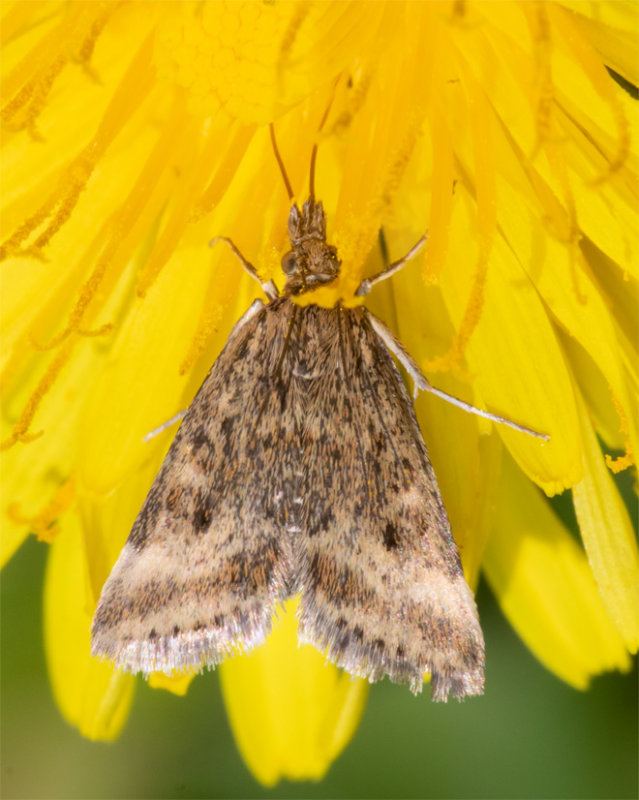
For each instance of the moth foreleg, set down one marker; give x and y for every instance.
(367, 284)
(421, 382)
(268, 287)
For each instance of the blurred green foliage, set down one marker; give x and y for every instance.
(529, 736)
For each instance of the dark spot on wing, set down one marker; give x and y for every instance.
(390, 536)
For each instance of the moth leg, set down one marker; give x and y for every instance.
(166, 424)
(268, 287)
(367, 284)
(420, 382)
(255, 306)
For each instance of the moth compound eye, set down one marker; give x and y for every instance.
(289, 263)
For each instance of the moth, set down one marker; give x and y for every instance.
(299, 469)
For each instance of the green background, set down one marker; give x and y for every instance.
(530, 736)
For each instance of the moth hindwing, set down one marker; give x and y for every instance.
(299, 469)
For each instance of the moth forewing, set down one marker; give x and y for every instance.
(382, 586)
(205, 564)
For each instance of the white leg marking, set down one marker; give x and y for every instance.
(420, 382)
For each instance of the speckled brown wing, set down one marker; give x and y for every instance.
(299, 467)
(382, 586)
(206, 562)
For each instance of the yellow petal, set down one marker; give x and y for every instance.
(514, 354)
(142, 383)
(609, 539)
(568, 291)
(619, 293)
(176, 684)
(545, 588)
(34, 473)
(291, 713)
(90, 694)
(465, 459)
(612, 29)
(596, 392)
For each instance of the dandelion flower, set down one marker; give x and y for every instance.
(133, 133)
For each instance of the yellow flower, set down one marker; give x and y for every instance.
(133, 133)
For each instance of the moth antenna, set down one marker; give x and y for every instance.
(280, 162)
(311, 180)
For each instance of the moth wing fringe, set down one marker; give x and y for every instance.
(364, 661)
(185, 652)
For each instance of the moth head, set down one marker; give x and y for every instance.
(311, 261)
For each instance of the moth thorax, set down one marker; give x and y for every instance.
(311, 261)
